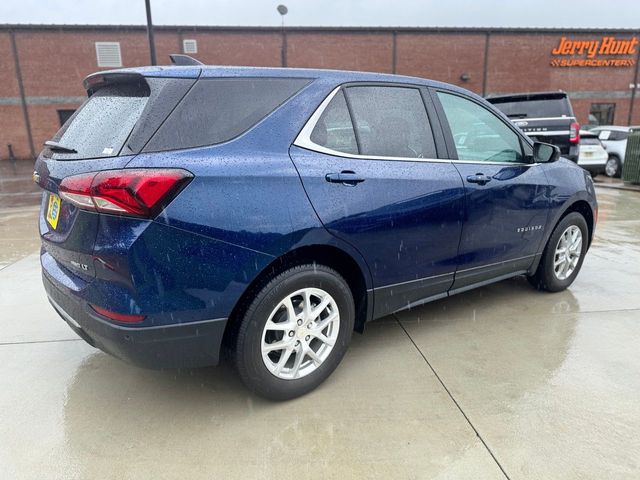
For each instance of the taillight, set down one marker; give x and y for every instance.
(138, 192)
(118, 317)
(574, 132)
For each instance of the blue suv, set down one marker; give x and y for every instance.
(191, 211)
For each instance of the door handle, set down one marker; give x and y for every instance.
(479, 178)
(346, 177)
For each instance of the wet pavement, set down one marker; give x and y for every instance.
(19, 204)
(500, 382)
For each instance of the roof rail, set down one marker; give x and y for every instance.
(183, 60)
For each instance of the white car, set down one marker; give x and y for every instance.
(592, 156)
(614, 139)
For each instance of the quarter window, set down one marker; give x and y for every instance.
(219, 109)
(334, 129)
(478, 134)
(391, 122)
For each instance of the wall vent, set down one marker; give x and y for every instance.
(108, 54)
(189, 46)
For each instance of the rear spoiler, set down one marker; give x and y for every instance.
(98, 80)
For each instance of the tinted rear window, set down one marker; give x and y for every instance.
(102, 124)
(556, 107)
(589, 141)
(219, 109)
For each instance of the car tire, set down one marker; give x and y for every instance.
(280, 316)
(557, 268)
(613, 167)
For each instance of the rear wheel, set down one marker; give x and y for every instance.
(613, 167)
(563, 256)
(295, 332)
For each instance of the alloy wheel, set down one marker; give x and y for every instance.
(300, 333)
(567, 252)
(611, 167)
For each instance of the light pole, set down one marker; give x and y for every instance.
(152, 43)
(283, 10)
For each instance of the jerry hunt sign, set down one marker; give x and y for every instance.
(603, 52)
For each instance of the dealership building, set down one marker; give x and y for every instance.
(43, 65)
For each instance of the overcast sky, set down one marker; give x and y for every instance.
(457, 13)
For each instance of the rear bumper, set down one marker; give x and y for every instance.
(191, 344)
(593, 168)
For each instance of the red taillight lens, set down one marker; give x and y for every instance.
(574, 132)
(139, 192)
(118, 317)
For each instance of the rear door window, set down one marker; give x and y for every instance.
(618, 135)
(391, 122)
(217, 110)
(102, 124)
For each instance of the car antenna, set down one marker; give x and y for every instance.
(183, 60)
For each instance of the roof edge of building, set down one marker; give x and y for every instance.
(341, 29)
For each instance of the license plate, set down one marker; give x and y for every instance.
(53, 210)
(588, 154)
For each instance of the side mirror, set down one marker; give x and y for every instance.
(545, 152)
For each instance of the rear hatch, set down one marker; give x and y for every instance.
(105, 133)
(591, 150)
(549, 130)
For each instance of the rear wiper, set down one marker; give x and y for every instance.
(517, 115)
(58, 147)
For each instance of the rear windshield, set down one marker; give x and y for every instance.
(555, 107)
(589, 141)
(102, 124)
(217, 110)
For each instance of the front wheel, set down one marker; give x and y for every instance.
(295, 332)
(563, 255)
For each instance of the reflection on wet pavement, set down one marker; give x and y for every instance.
(19, 203)
(550, 382)
(17, 188)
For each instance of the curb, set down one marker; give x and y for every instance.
(628, 188)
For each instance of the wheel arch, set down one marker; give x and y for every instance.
(580, 206)
(583, 208)
(328, 255)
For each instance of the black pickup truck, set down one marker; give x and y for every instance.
(545, 117)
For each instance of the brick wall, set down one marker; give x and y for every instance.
(443, 57)
(343, 51)
(54, 61)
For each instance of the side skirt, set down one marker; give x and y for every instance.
(407, 295)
